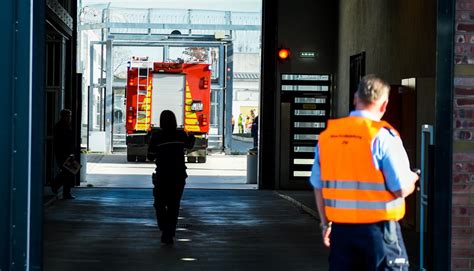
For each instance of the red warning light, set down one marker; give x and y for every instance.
(283, 53)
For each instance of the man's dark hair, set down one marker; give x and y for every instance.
(168, 120)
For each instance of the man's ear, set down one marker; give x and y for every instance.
(356, 100)
(383, 106)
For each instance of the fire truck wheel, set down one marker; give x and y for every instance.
(202, 159)
(131, 158)
(141, 158)
(191, 159)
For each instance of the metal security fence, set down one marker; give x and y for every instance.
(243, 27)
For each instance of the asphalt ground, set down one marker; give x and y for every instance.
(219, 172)
(231, 229)
(115, 229)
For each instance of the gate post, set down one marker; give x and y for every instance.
(21, 108)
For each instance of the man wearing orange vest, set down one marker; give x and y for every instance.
(361, 176)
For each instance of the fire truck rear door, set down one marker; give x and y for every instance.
(168, 94)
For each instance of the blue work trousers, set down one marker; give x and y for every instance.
(368, 247)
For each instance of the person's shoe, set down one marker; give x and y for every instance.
(69, 196)
(54, 189)
(167, 239)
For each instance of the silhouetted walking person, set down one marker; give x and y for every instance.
(254, 132)
(63, 148)
(166, 148)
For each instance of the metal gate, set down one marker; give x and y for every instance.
(305, 109)
(118, 127)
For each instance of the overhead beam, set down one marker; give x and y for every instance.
(123, 43)
(157, 26)
(164, 37)
(163, 43)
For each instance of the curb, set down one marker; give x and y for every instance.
(243, 139)
(303, 207)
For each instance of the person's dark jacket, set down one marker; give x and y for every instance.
(254, 129)
(63, 141)
(166, 148)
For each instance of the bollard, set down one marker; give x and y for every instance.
(83, 172)
(252, 161)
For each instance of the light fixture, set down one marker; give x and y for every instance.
(283, 53)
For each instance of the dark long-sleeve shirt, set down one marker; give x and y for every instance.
(63, 141)
(167, 150)
(254, 129)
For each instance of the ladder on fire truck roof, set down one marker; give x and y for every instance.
(143, 95)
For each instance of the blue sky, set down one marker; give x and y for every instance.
(231, 5)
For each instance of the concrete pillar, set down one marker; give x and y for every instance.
(228, 94)
(21, 108)
(108, 96)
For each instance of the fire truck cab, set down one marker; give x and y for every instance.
(183, 88)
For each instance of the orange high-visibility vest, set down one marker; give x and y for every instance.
(354, 189)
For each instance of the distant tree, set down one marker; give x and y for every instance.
(196, 54)
(120, 57)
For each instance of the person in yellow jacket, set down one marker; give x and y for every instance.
(240, 124)
(360, 177)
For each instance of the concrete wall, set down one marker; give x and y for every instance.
(247, 62)
(397, 36)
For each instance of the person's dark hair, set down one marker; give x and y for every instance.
(65, 113)
(168, 120)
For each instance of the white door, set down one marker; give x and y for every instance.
(167, 94)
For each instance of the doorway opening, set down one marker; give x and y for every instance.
(227, 39)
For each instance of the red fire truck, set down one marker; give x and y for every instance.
(183, 88)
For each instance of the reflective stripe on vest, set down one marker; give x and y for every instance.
(354, 190)
(370, 205)
(354, 185)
